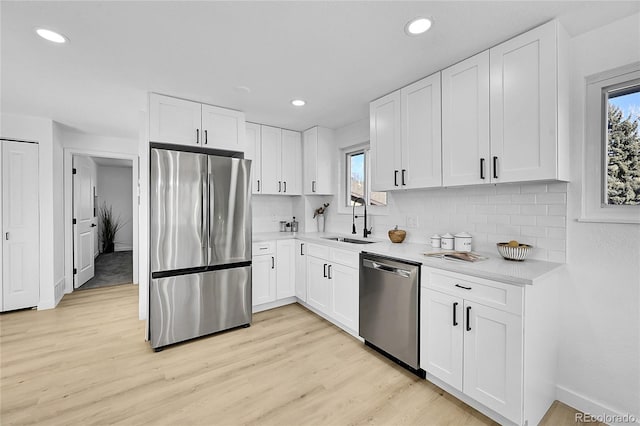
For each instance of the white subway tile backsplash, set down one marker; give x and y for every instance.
(522, 219)
(549, 244)
(514, 231)
(557, 210)
(552, 198)
(551, 221)
(534, 210)
(533, 231)
(499, 218)
(485, 209)
(534, 188)
(508, 188)
(557, 187)
(557, 233)
(477, 218)
(523, 198)
(510, 209)
(501, 199)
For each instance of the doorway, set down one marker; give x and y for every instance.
(101, 204)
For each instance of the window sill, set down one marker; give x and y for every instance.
(608, 220)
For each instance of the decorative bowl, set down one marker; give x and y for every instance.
(511, 252)
(397, 235)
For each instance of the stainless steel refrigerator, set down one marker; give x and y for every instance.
(200, 245)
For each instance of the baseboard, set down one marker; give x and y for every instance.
(331, 320)
(58, 290)
(595, 409)
(124, 248)
(272, 305)
(46, 304)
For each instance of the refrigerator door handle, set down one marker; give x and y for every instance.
(203, 211)
(210, 217)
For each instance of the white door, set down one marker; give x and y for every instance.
(310, 153)
(85, 223)
(524, 106)
(318, 294)
(344, 300)
(223, 128)
(291, 162)
(20, 226)
(174, 121)
(421, 134)
(493, 359)
(301, 271)
(385, 134)
(285, 269)
(465, 122)
(271, 141)
(263, 282)
(441, 336)
(253, 152)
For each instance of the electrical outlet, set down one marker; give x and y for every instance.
(412, 221)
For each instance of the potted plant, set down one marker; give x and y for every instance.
(109, 227)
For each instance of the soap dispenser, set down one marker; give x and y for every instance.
(294, 225)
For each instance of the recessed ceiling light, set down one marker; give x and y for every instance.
(51, 35)
(417, 26)
(298, 102)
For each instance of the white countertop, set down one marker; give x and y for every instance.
(494, 268)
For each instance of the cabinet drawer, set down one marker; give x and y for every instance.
(344, 257)
(502, 296)
(316, 250)
(264, 247)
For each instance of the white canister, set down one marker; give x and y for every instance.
(463, 241)
(447, 241)
(435, 241)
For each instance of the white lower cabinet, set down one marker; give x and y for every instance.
(332, 284)
(273, 272)
(285, 269)
(263, 282)
(493, 343)
(301, 271)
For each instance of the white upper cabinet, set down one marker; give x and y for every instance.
(253, 152)
(223, 128)
(525, 128)
(174, 121)
(384, 134)
(291, 160)
(271, 141)
(318, 161)
(421, 152)
(465, 122)
(182, 122)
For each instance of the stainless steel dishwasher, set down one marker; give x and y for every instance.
(389, 308)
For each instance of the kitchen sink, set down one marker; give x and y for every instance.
(348, 240)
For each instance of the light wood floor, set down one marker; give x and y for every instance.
(86, 362)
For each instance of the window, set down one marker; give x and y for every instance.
(611, 172)
(622, 145)
(358, 186)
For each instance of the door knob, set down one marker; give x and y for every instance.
(93, 225)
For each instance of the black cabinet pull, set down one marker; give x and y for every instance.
(395, 177)
(285, 186)
(325, 270)
(468, 315)
(279, 186)
(455, 308)
(495, 167)
(273, 262)
(301, 245)
(205, 137)
(482, 168)
(403, 173)
(329, 274)
(258, 185)
(461, 286)
(313, 186)
(197, 135)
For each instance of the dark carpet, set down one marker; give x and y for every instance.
(111, 269)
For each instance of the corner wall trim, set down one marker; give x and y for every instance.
(595, 408)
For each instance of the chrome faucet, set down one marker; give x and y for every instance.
(366, 231)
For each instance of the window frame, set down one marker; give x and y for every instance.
(345, 182)
(594, 177)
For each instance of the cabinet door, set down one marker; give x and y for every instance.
(325, 160)
(285, 269)
(344, 298)
(493, 359)
(271, 141)
(301, 271)
(20, 245)
(174, 121)
(253, 152)
(310, 152)
(421, 134)
(524, 106)
(223, 128)
(384, 116)
(263, 283)
(291, 163)
(318, 291)
(441, 336)
(465, 122)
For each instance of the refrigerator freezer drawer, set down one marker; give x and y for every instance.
(186, 306)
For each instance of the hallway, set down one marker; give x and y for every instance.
(111, 269)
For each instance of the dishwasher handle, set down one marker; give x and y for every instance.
(386, 268)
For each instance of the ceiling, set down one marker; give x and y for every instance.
(337, 56)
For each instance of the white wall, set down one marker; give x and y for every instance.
(600, 347)
(41, 130)
(114, 187)
(532, 213)
(269, 210)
